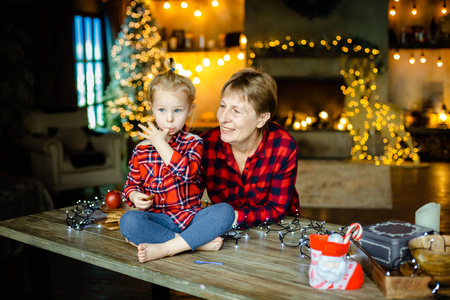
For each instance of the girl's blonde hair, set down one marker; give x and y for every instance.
(171, 81)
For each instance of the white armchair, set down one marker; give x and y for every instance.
(65, 154)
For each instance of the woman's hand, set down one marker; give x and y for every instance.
(140, 200)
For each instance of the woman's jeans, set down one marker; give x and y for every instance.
(146, 227)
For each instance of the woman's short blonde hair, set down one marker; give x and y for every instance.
(258, 88)
(171, 81)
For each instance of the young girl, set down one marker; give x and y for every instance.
(164, 180)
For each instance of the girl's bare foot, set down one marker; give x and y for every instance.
(214, 245)
(148, 252)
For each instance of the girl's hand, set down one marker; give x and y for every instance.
(158, 139)
(152, 134)
(141, 201)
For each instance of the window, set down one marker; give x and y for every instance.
(90, 67)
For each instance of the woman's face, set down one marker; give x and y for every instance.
(238, 120)
(171, 110)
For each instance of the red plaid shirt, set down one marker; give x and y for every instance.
(266, 188)
(177, 186)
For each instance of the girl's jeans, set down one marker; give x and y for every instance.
(147, 227)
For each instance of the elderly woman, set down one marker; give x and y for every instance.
(249, 161)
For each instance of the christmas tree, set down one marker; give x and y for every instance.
(137, 57)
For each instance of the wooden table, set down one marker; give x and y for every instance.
(259, 267)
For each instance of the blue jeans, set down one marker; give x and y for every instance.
(147, 227)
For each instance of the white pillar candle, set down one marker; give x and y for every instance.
(429, 215)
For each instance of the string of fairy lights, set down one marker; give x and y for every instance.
(414, 11)
(185, 4)
(294, 233)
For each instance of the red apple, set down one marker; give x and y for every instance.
(113, 199)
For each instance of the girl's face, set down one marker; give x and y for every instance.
(171, 110)
(239, 122)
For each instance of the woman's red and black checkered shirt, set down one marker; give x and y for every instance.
(266, 188)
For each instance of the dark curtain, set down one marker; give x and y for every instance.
(37, 60)
(116, 12)
(47, 25)
(58, 90)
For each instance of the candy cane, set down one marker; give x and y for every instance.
(356, 234)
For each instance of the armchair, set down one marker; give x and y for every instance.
(65, 154)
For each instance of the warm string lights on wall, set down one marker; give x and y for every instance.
(439, 62)
(185, 4)
(193, 73)
(414, 10)
(229, 55)
(205, 62)
(412, 60)
(392, 11)
(423, 59)
(417, 37)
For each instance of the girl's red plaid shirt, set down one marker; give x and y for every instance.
(177, 186)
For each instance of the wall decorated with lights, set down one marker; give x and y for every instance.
(203, 55)
(209, 71)
(366, 20)
(419, 58)
(357, 30)
(414, 87)
(292, 47)
(139, 53)
(364, 115)
(209, 18)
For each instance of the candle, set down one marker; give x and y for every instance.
(429, 215)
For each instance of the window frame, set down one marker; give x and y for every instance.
(95, 110)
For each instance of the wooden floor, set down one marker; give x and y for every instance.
(70, 279)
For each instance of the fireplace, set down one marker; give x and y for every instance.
(310, 95)
(307, 85)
